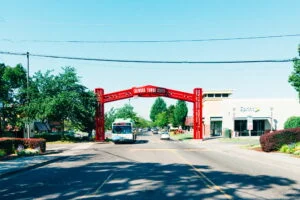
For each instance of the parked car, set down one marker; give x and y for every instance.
(155, 131)
(165, 136)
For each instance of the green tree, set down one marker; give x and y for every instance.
(170, 114)
(12, 84)
(110, 117)
(141, 122)
(294, 78)
(61, 98)
(292, 122)
(180, 113)
(126, 112)
(161, 119)
(159, 106)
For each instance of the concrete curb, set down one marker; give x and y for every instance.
(33, 166)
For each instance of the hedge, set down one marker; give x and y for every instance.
(51, 137)
(272, 141)
(11, 144)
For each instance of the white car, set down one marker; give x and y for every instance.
(165, 136)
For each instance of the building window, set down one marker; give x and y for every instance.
(216, 126)
(217, 95)
(240, 126)
(210, 95)
(258, 127)
(225, 95)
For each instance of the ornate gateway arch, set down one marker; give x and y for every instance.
(149, 91)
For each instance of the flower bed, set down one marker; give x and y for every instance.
(11, 145)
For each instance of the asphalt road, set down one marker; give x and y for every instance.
(155, 169)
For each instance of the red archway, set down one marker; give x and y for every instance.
(149, 91)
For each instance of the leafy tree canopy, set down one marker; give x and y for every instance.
(170, 114)
(126, 112)
(60, 98)
(161, 119)
(159, 106)
(294, 78)
(12, 84)
(180, 113)
(292, 122)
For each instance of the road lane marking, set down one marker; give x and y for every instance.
(207, 182)
(169, 149)
(99, 188)
(122, 157)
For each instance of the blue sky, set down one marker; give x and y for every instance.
(159, 20)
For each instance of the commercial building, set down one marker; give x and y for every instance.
(244, 117)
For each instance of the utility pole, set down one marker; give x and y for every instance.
(27, 123)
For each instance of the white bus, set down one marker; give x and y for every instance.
(122, 131)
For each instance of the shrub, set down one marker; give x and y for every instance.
(34, 143)
(50, 137)
(2, 153)
(67, 136)
(28, 152)
(273, 141)
(297, 153)
(292, 122)
(10, 145)
(284, 148)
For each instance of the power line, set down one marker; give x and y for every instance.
(149, 61)
(154, 41)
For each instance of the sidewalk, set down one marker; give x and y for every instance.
(238, 149)
(54, 152)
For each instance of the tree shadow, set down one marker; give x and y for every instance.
(72, 178)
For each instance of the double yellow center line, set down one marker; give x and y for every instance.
(207, 182)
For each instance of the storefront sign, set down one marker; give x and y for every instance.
(249, 109)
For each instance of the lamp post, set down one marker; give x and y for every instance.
(233, 120)
(271, 119)
(27, 123)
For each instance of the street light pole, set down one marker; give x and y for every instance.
(27, 124)
(233, 121)
(271, 119)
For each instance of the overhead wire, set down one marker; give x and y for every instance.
(150, 61)
(156, 41)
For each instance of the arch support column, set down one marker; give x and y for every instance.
(198, 129)
(100, 131)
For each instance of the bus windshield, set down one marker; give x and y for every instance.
(121, 129)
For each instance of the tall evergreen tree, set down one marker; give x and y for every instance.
(170, 114)
(159, 106)
(180, 113)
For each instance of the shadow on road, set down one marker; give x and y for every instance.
(133, 180)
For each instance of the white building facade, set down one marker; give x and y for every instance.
(245, 117)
